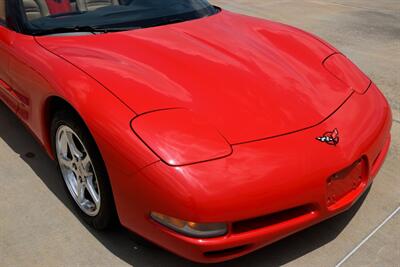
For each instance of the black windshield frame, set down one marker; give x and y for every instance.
(29, 28)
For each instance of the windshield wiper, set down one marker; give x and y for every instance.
(166, 22)
(91, 29)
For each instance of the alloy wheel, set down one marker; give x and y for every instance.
(78, 171)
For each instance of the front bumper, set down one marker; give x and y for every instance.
(285, 176)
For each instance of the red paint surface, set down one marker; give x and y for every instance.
(266, 81)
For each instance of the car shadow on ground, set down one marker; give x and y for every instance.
(132, 249)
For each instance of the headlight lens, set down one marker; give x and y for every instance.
(178, 137)
(192, 229)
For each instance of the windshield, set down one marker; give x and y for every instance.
(58, 16)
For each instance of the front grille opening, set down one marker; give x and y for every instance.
(226, 252)
(271, 219)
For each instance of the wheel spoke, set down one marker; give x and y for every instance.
(92, 191)
(63, 144)
(88, 174)
(80, 193)
(66, 162)
(73, 181)
(72, 147)
(87, 164)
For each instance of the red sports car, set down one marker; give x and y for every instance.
(209, 133)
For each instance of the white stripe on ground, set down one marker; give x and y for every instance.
(368, 237)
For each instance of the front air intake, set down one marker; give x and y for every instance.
(271, 219)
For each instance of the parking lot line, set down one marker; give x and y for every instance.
(368, 237)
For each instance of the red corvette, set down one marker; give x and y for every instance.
(209, 133)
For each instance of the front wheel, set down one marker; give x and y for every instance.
(83, 171)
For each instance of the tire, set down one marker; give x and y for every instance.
(75, 169)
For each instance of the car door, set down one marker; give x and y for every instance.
(7, 94)
(18, 78)
(25, 73)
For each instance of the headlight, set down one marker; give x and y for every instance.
(192, 229)
(345, 70)
(179, 138)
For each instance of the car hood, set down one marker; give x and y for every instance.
(250, 78)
